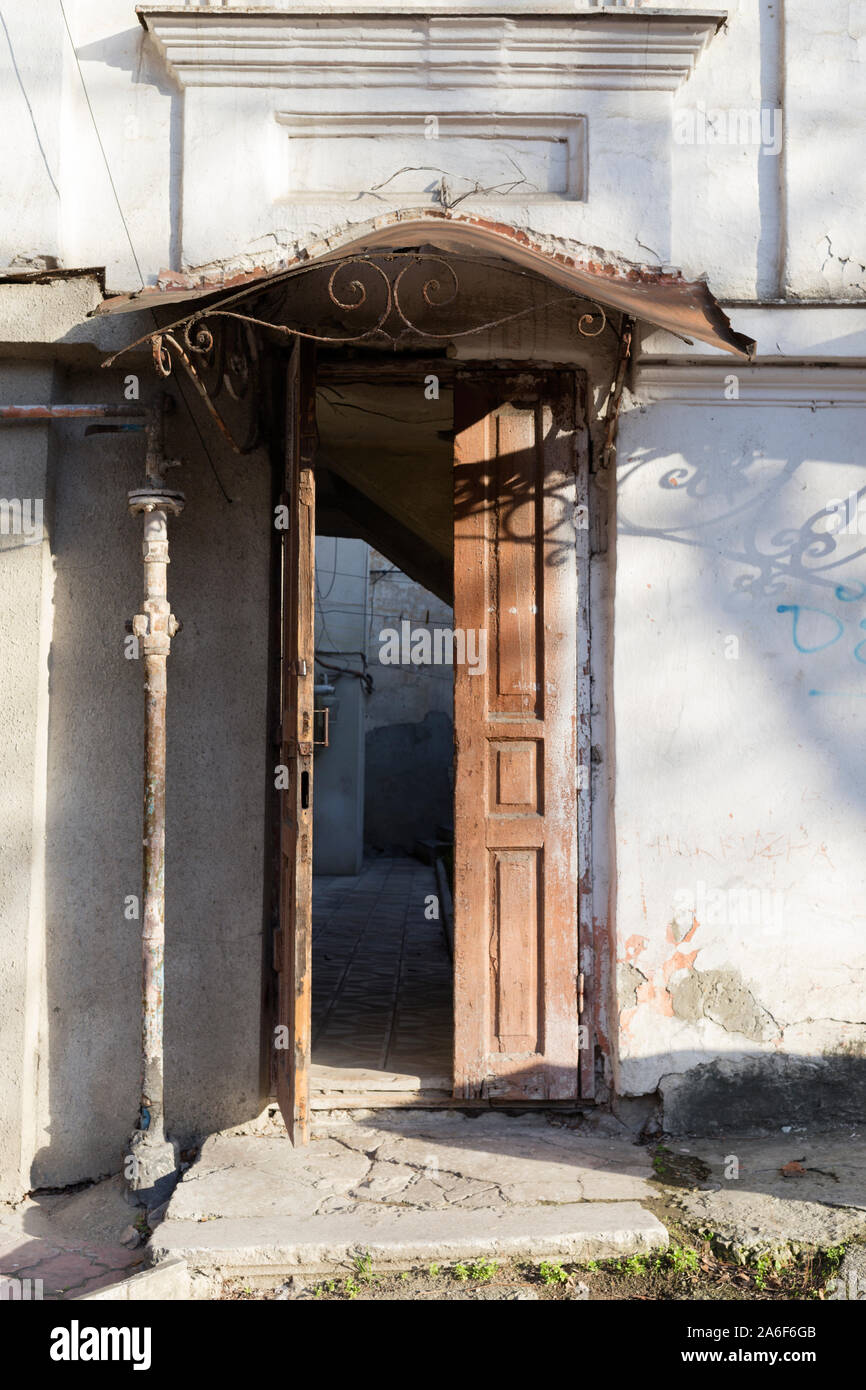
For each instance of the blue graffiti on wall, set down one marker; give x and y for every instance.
(798, 609)
(815, 630)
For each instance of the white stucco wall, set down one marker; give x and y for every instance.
(738, 692)
(824, 176)
(186, 127)
(91, 169)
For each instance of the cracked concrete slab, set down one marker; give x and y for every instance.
(528, 1158)
(264, 1177)
(440, 1162)
(785, 1190)
(411, 1188)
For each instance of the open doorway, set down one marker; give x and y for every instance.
(512, 308)
(482, 504)
(382, 1010)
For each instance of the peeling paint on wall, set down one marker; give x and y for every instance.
(722, 995)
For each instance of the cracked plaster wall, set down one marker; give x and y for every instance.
(759, 225)
(739, 767)
(825, 97)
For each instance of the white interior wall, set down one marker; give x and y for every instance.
(341, 638)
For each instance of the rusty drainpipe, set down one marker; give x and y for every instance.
(153, 1162)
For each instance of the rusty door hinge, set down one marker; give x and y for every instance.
(297, 668)
(580, 994)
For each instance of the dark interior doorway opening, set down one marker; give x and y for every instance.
(382, 1006)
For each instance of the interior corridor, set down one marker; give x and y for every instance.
(382, 993)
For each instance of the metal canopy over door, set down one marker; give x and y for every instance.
(519, 524)
(293, 949)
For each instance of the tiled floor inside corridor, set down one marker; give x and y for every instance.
(382, 1013)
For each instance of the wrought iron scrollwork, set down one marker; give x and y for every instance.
(390, 274)
(221, 360)
(402, 291)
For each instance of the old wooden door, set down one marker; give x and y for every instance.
(293, 951)
(519, 453)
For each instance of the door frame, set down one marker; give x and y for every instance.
(294, 520)
(356, 365)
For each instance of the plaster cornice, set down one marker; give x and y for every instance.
(601, 49)
(802, 384)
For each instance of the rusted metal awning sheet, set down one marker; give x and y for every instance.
(660, 297)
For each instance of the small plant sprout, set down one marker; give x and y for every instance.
(552, 1272)
(684, 1259)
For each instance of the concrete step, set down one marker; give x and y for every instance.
(266, 1249)
(428, 851)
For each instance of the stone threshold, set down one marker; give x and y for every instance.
(266, 1251)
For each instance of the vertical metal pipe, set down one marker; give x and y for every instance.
(154, 1158)
(153, 875)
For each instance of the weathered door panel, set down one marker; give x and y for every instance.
(293, 947)
(519, 443)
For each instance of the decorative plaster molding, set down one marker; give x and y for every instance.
(634, 50)
(545, 156)
(804, 385)
(354, 7)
